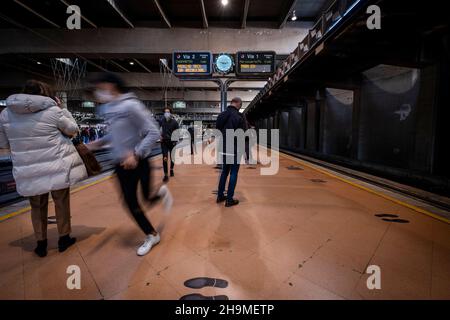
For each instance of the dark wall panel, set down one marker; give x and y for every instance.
(311, 127)
(296, 129)
(392, 118)
(284, 128)
(337, 127)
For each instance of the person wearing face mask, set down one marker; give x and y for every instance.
(168, 126)
(132, 135)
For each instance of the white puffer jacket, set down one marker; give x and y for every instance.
(38, 133)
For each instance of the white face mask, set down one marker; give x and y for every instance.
(167, 115)
(103, 96)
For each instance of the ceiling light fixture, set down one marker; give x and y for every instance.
(38, 62)
(131, 63)
(294, 17)
(224, 2)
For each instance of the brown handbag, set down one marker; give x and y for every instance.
(90, 162)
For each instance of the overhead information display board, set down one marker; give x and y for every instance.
(255, 63)
(192, 63)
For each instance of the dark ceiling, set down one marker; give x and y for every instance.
(159, 13)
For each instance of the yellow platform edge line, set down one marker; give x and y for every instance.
(354, 184)
(26, 209)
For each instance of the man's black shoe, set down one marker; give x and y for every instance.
(171, 173)
(221, 199)
(41, 249)
(230, 203)
(165, 179)
(65, 242)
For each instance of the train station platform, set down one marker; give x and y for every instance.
(304, 233)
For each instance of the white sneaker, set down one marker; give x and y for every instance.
(167, 198)
(148, 244)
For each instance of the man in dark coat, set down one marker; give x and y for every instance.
(230, 119)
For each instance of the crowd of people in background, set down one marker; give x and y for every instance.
(91, 133)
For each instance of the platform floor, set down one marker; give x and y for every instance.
(298, 235)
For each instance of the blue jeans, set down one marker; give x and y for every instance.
(232, 170)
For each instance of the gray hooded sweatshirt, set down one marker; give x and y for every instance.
(131, 128)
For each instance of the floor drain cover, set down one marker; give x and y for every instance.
(294, 168)
(396, 220)
(386, 215)
(318, 180)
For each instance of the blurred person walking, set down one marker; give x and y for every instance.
(132, 134)
(38, 132)
(230, 119)
(168, 126)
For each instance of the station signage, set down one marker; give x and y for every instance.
(179, 105)
(255, 63)
(192, 63)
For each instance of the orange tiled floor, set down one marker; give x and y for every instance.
(290, 238)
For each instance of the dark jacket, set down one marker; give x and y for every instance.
(230, 119)
(168, 127)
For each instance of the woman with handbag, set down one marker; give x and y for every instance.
(38, 132)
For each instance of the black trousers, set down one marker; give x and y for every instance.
(193, 147)
(166, 148)
(129, 180)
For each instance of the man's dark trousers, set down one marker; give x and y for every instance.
(232, 170)
(166, 148)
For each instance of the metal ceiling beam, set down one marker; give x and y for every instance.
(82, 17)
(119, 66)
(36, 13)
(95, 65)
(26, 70)
(162, 13)
(288, 7)
(121, 14)
(158, 41)
(205, 17)
(154, 81)
(18, 25)
(142, 65)
(245, 14)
